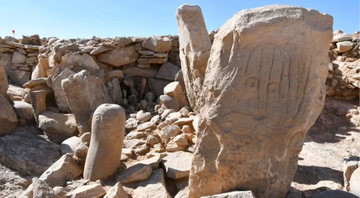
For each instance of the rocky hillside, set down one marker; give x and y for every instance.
(52, 95)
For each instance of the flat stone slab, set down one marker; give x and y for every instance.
(178, 164)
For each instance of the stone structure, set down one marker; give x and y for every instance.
(107, 135)
(262, 92)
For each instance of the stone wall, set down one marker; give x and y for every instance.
(343, 80)
(154, 59)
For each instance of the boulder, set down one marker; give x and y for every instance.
(174, 89)
(107, 135)
(84, 93)
(18, 58)
(355, 182)
(344, 46)
(65, 168)
(41, 189)
(19, 77)
(33, 156)
(195, 47)
(169, 102)
(4, 85)
(177, 165)
(143, 116)
(38, 102)
(100, 49)
(234, 194)
(117, 191)
(24, 111)
(341, 37)
(58, 126)
(93, 191)
(156, 86)
(69, 145)
(169, 132)
(119, 56)
(168, 71)
(263, 89)
(157, 44)
(154, 187)
(60, 95)
(78, 62)
(135, 173)
(8, 118)
(145, 73)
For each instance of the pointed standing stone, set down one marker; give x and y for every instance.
(194, 51)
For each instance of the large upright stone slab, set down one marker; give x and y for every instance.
(195, 47)
(4, 85)
(107, 136)
(60, 95)
(264, 87)
(84, 93)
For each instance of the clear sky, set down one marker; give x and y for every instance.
(110, 18)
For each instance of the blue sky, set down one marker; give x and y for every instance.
(110, 18)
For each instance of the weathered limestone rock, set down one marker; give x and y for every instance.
(24, 110)
(94, 191)
(168, 71)
(115, 91)
(107, 135)
(174, 89)
(119, 56)
(38, 102)
(263, 89)
(138, 172)
(69, 145)
(157, 44)
(234, 194)
(194, 51)
(154, 187)
(355, 182)
(60, 95)
(78, 62)
(84, 93)
(18, 58)
(4, 85)
(58, 126)
(177, 165)
(8, 119)
(62, 170)
(117, 191)
(41, 189)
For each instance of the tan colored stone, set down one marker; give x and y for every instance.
(234, 194)
(62, 170)
(157, 44)
(135, 173)
(4, 85)
(78, 62)
(8, 119)
(93, 191)
(41, 189)
(154, 187)
(60, 95)
(174, 89)
(355, 182)
(177, 165)
(168, 71)
(263, 89)
(151, 60)
(38, 102)
(195, 47)
(24, 110)
(84, 93)
(107, 135)
(57, 126)
(119, 56)
(117, 191)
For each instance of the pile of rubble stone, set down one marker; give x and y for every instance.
(343, 80)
